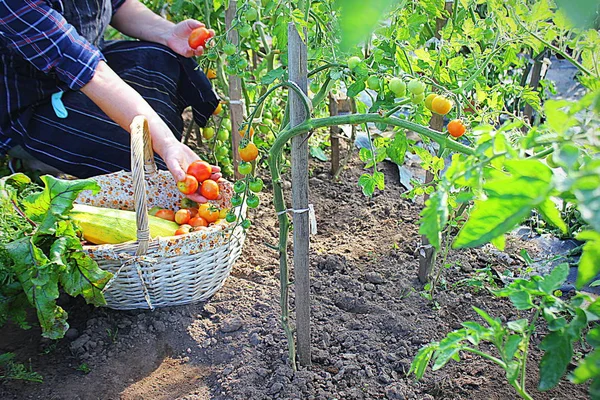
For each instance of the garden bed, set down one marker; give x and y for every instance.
(368, 320)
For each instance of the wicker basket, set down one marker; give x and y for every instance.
(162, 271)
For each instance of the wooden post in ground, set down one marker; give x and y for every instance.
(298, 70)
(236, 107)
(427, 253)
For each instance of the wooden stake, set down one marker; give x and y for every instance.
(236, 106)
(298, 70)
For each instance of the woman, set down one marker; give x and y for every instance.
(67, 97)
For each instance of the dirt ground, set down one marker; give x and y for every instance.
(368, 320)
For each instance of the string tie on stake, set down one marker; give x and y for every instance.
(311, 216)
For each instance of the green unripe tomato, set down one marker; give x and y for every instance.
(256, 185)
(222, 152)
(212, 56)
(242, 63)
(208, 133)
(353, 62)
(229, 49)
(251, 15)
(227, 170)
(246, 224)
(244, 168)
(397, 86)
(230, 217)
(245, 30)
(417, 98)
(239, 186)
(373, 82)
(415, 86)
(252, 200)
(236, 200)
(223, 135)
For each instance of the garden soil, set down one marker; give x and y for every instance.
(369, 318)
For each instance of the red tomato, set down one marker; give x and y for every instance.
(189, 185)
(210, 189)
(198, 221)
(201, 170)
(198, 37)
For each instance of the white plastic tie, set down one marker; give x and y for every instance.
(312, 219)
(236, 102)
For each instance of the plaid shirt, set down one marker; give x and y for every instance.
(37, 32)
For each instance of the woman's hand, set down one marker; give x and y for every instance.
(178, 157)
(176, 38)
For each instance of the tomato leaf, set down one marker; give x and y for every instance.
(509, 201)
(354, 89)
(397, 148)
(434, 218)
(421, 360)
(589, 266)
(358, 21)
(554, 279)
(551, 215)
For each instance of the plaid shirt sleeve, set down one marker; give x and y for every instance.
(43, 37)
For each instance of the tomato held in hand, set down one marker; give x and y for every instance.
(210, 189)
(189, 185)
(441, 105)
(199, 37)
(201, 170)
(248, 153)
(456, 128)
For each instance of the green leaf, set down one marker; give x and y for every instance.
(272, 76)
(512, 345)
(358, 20)
(518, 326)
(355, 88)
(55, 201)
(448, 348)
(558, 352)
(581, 12)
(421, 360)
(493, 322)
(434, 217)
(589, 266)
(521, 300)
(588, 368)
(509, 201)
(551, 215)
(318, 153)
(40, 284)
(554, 279)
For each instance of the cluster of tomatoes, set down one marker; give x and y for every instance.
(192, 217)
(415, 89)
(198, 180)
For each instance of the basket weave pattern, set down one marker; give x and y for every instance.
(163, 271)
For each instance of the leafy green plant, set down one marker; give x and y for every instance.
(41, 252)
(566, 320)
(11, 370)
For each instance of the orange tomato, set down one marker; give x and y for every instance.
(183, 216)
(209, 212)
(456, 128)
(198, 221)
(248, 153)
(165, 214)
(183, 229)
(243, 132)
(218, 109)
(210, 190)
(189, 185)
(441, 105)
(211, 73)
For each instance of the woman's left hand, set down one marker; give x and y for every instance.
(177, 38)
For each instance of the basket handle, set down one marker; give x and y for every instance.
(142, 164)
